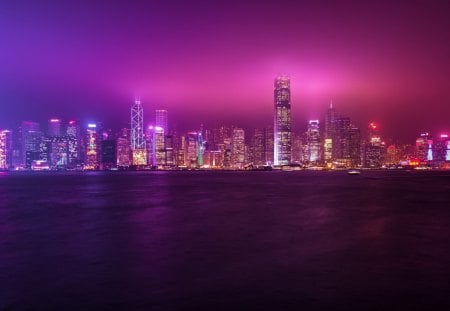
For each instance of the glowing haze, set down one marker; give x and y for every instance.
(214, 61)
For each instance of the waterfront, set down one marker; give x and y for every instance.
(224, 240)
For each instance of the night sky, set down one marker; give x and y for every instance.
(215, 61)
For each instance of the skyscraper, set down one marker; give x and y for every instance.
(92, 147)
(238, 148)
(5, 150)
(329, 134)
(74, 142)
(29, 140)
(373, 147)
(124, 148)
(282, 121)
(313, 141)
(161, 120)
(54, 127)
(137, 134)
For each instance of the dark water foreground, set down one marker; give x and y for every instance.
(224, 241)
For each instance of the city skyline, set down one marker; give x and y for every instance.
(215, 62)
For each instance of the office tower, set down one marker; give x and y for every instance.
(355, 146)
(393, 155)
(92, 147)
(159, 151)
(238, 148)
(313, 141)
(6, 151)
(54, 127)
(424, 147)
(169, 149)
(123, 148)
(29, 140)
(346, 143)
(373, 149)
(108, 154)
(74, 142)
(257, 148)
(297, 149)
(137, 135)
(180, 143)
(161, 120)
(329, 133)
(190, 153)
(441, 150)
(282, 122)
(59, 152)
(268, 145)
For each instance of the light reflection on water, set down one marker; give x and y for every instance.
(201, 239)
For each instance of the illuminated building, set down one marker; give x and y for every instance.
(424, 147)
(181, 151)
(213, 159)
(441, 150)
(313, 141)
(393, 155)
(238, 148)
(282, 122)
(269, 145)
(257, 148)
(123, 146)
(137, 135)
(5, 150)
(108, 154)
(29, 140)
(190, 151)
(54, 127)
(59, 152)
(297, 149)
(346, 143)
(200, 148)
(159, 151)
(92, 148)
(161, 120)
(373, 148)
(169, 149)
(74, 142)
(329, 134)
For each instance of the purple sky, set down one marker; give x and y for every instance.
(214, 61)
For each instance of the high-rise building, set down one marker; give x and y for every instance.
(313, 142)
(29, 140)
(346, 143)
(238, 148)
(282, 122)
(268, 145)
(191, 153)
(5, 150)
(92, 148)
(161, 120)
(424, 148)
(74, 142)
(108, 154)
(441, 150)
(123, 146)
(54, 127)
(329, 134)
(257, 148)
(159, 151)
(373, 147)
(59, 152)
(137, 135)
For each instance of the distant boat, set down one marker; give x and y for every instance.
(353, 172)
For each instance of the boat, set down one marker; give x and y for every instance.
(353, 172)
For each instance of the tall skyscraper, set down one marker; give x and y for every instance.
(74, 141)
(313, 141)
(161, 120)
(282, 121)
(92, 147)
(373, 151)
(329, 134)
(238, 148)
(5, 150)
(54, 127)
(29, 140)
(137, 134)
(124, 148)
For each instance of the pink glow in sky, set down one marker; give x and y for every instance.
(215, 61)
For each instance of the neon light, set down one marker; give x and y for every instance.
(92, 125)
(55, 120)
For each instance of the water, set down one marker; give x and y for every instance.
(224, 240)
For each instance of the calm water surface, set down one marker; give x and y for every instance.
(224, 240)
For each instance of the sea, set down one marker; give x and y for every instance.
(225, 240)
